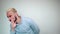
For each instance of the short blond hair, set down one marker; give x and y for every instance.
(12, 9)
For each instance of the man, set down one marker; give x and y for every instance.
(20, 24)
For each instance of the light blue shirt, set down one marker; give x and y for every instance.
(26, 26)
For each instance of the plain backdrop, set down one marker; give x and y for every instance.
(44, 12)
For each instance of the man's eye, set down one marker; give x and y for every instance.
(9, 16)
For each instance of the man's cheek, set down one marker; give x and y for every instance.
(12, 19)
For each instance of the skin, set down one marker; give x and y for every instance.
(11, 16)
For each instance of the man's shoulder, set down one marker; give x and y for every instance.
(27, 19)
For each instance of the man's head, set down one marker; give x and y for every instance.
(11, 14)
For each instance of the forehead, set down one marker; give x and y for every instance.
(9, 13)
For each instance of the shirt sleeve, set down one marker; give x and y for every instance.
(11, 32)
(34, 27)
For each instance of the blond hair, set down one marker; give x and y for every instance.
(12, 9)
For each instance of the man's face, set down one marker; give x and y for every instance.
(11, 15)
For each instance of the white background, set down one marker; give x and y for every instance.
(44, 12)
